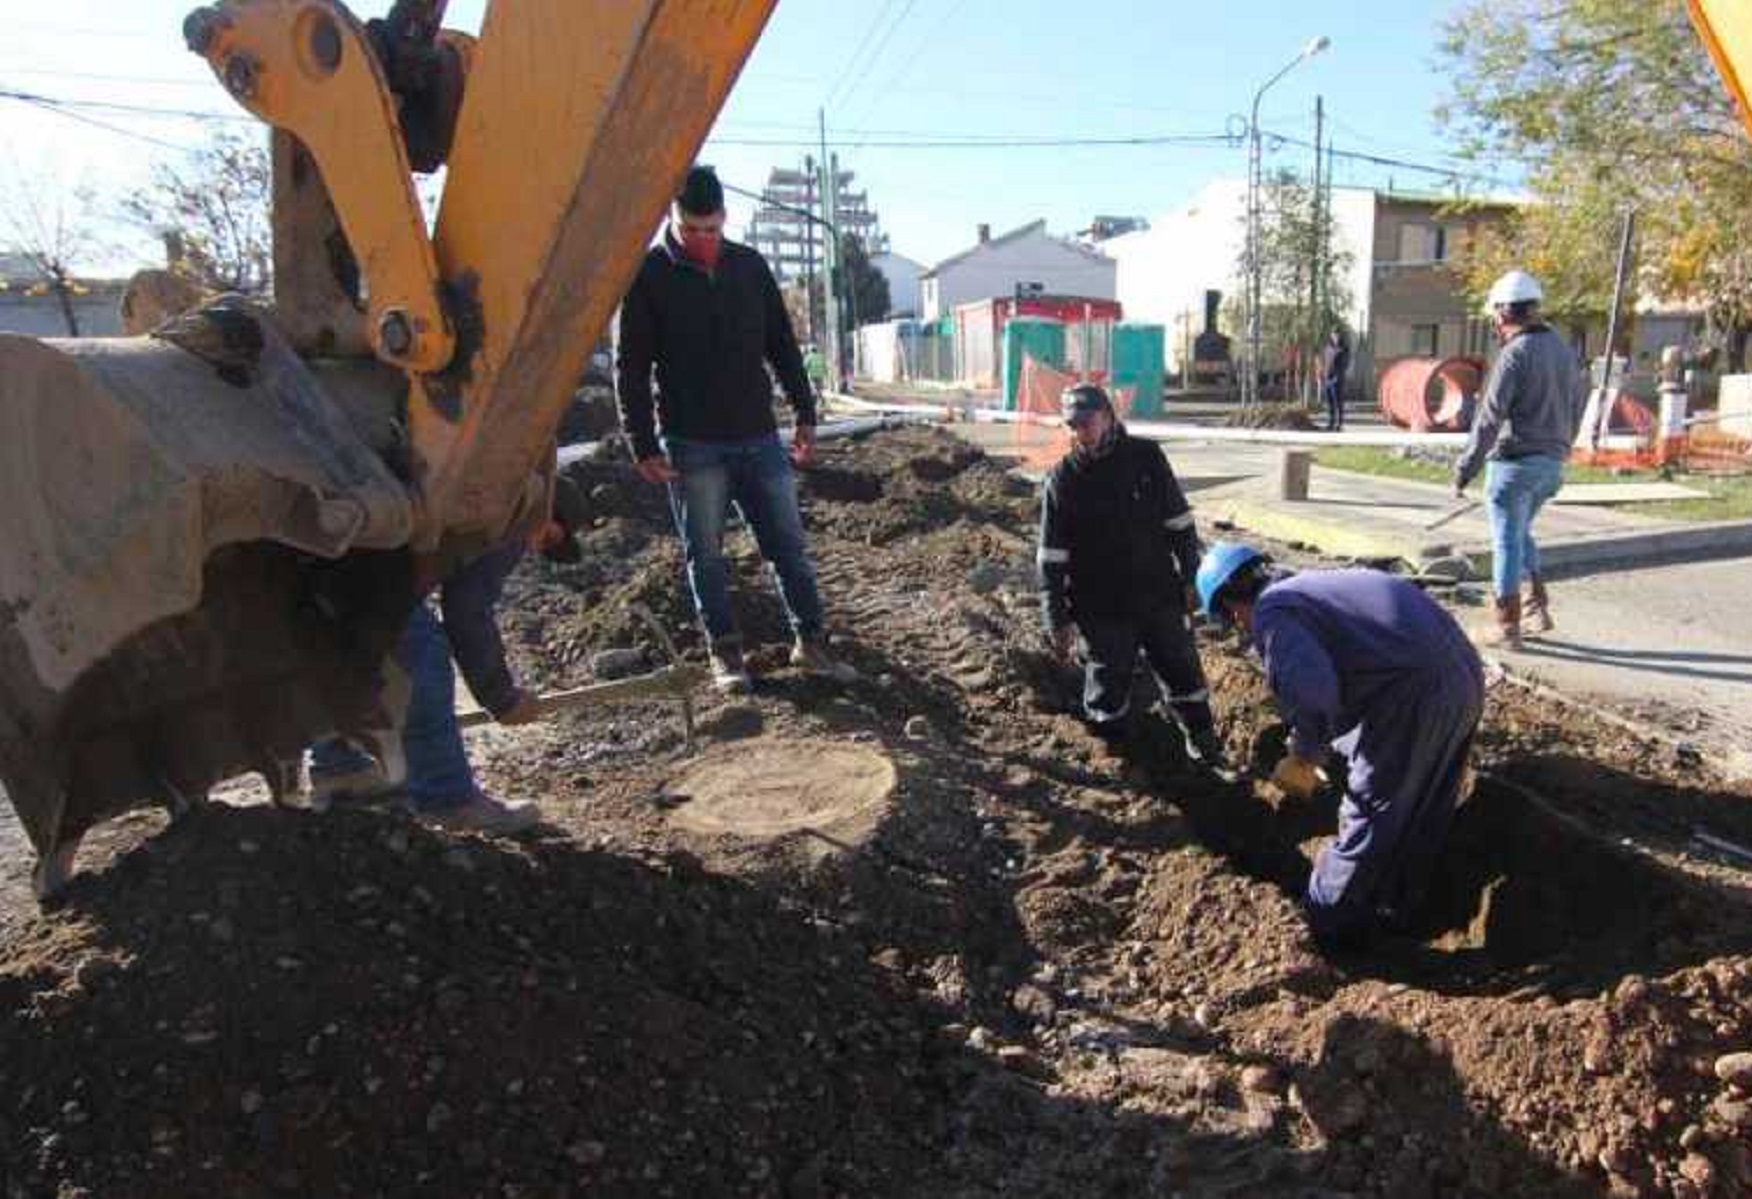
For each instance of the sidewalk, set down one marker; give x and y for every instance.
(1365, 516)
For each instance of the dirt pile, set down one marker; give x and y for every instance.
(1051, 967)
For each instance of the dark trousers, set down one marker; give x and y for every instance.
(1110, 651)
(1406, 761)
(1332, 391)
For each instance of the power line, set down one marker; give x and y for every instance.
(912, 60)
(999, 142)
(863, 44)
(876, 54)
(148, 110)
(98, 76)
(1456, 174)
(62, 110)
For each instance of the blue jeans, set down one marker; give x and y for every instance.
(439, 775)
(1514, 491)
(1332, 391)
(756, 476)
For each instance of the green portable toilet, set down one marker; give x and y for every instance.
(1042, 340)
(1140, 362)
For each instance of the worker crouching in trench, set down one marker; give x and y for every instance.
(1366, 665)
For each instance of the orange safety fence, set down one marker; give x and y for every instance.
(1039, 437)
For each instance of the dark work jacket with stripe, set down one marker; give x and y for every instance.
(1117, 537)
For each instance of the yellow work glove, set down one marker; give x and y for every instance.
(1298, 777)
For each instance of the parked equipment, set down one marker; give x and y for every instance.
(210, 536)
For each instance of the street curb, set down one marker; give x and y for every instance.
(1354, 537)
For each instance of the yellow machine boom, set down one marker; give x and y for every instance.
(211, 535)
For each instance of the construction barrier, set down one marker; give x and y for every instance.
(1038, 388)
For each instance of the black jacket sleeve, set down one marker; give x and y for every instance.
(782, 351)
(1053, 557)
(469, 599)
(1178, 523)
(635, 355)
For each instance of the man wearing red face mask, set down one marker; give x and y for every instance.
(706, 318)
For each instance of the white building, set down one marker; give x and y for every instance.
(1028, 257)
(1165, 270)
(903, 275)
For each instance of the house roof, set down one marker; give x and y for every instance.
(1038, 226)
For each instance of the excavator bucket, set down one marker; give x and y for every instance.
(199, 565)
(211, 537)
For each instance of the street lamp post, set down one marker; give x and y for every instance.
(1250, 376)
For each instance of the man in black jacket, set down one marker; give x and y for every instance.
(1118, 553)
(706, 315)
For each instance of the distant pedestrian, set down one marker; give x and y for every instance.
(705, 315)
(1526, 423)
(1118, 551)
(1366, 665)
(1334, 364)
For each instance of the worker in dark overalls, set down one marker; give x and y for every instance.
(1118, 549)
(1364, 664)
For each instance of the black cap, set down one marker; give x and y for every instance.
(1081, 400)
(570, 513)
(701, 194)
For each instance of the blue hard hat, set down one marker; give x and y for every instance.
(1220, 563)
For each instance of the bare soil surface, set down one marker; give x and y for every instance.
(1004, 958)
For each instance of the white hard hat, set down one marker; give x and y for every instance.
(1516, 287)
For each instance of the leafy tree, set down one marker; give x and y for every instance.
(216, 212)
(1297, 308)
(863, 290)
(1612, 104)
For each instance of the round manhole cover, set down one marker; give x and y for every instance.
(771, 788)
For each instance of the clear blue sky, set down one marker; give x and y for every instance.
(885, 70)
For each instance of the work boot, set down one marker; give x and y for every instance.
(1507, 634)
(1537, 609)
(1205, 750)
(811, 655)
(481, 813)
(729, 672)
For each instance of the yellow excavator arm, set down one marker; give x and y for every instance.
(210, 536)
(1726, 29)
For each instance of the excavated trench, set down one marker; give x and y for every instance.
(1007, 960)
(1524, 896)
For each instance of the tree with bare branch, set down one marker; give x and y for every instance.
(52, 227)
(214, 214)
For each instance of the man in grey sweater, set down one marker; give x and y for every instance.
(1526, 423)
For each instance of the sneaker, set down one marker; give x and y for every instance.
(729, 672)
(481, 813)
(811, 656)
(362, 784)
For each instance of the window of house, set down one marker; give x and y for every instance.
(1425, 339)
(1422, 243)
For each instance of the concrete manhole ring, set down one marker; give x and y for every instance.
(767, 788)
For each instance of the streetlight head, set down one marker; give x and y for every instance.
(1316, 46)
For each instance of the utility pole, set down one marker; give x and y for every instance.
(830, 258)
(1316, 323)
(1619, 280)
(1255, 238)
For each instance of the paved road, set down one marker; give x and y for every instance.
(1658, 640)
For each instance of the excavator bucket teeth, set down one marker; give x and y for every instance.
(201, 563)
